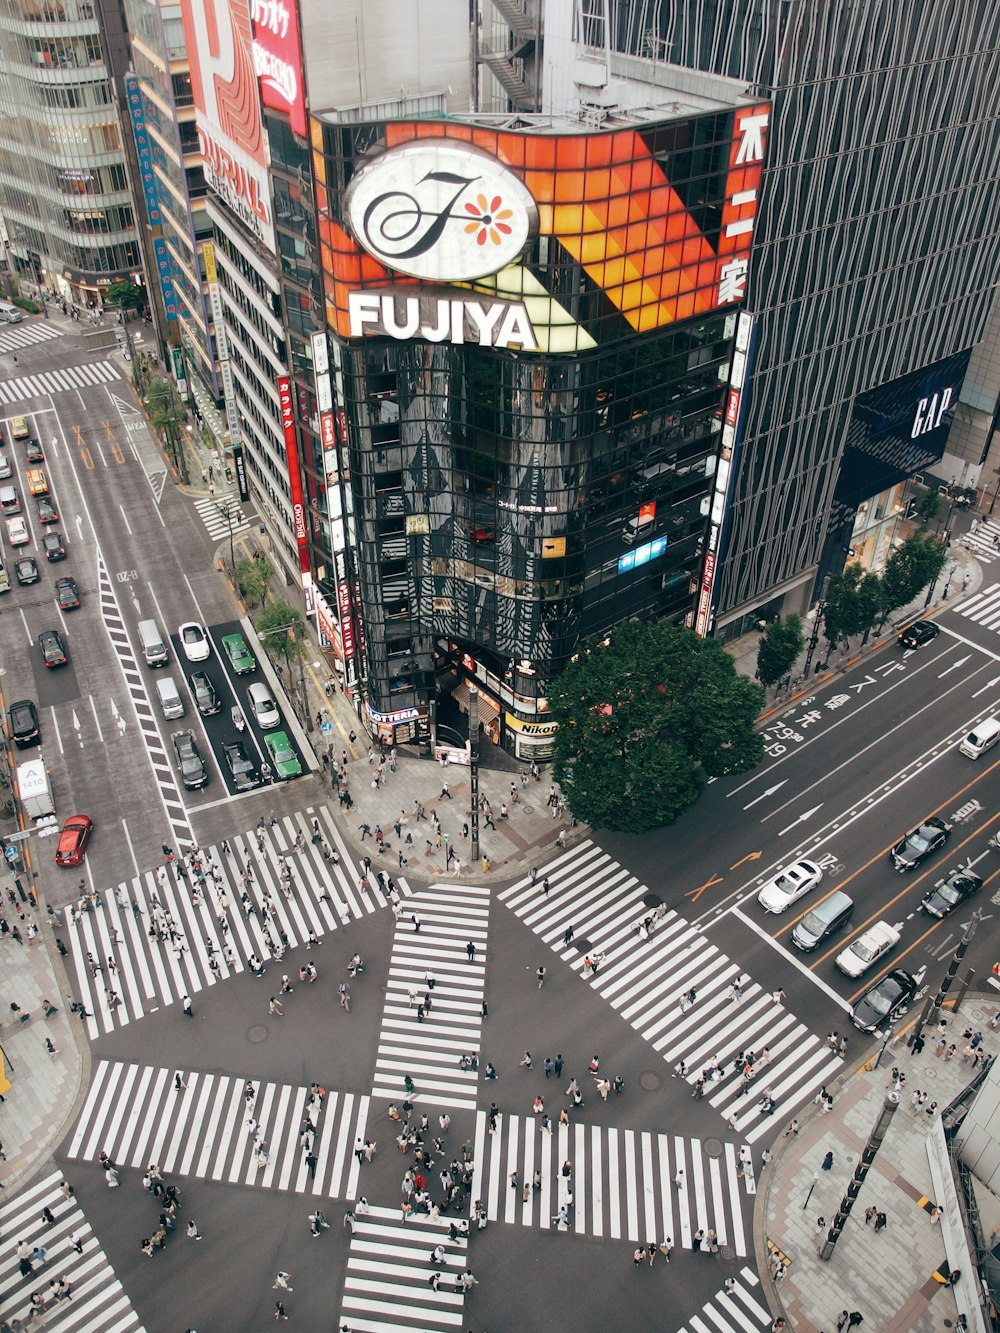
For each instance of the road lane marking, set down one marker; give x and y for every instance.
(827, 990)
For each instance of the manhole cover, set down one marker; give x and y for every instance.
(582, 943)
(652, 900)
(526, 808)
(650, 1082)
(712, 1147)
(727, 1252)
(257, 1033)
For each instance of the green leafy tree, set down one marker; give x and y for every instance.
(252, 578)
(644, 718)
(846, 608)
(911, 568)
(780, 644)
(930, 505)
(281, 628)
(125, 295)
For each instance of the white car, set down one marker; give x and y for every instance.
(867, 949)
(194, 641)
(263, 707)
(17, 532)
(787, 887)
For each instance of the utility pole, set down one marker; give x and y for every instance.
(949, 977)
(864, 1165)
(474, 770)
(817, 617)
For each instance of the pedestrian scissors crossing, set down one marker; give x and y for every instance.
(64, 379)
(137, 1115)
(145, 974)
(388, 1270)
(645, 981)
(450, 917)
(983, 540)
(97, 1300)
(212, 511)
(738, 1311)
(622, 1182)
(983, 608)
(27, 335)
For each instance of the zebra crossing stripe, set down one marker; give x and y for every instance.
(736, 1312)
(98, 1298)
(136, 1115)
(450, 916)
(622, 1181)
(65, 379)
(12, 340)
(146, 975)
(643, 982)
(983, 608)
(386, 1285)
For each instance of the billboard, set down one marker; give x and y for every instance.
(467, 234)
(294, 476)
(229, 122)
(277, 60)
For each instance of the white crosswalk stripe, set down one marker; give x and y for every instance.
(983, 607)
(450, 917)
(64, 379)
(136, 1114)
(622, 1180)
(113, 953)
(740, 1311)
(644, 982)
(27, 335)
(214, 518)
(388, 1276)
(97, 1300)
(984, 543)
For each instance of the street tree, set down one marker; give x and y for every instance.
(125, 295)
(252, 578)
(930, 504)
(912, 567)
(644, 717)
(848, 607)
(780, 644)
(281, 628)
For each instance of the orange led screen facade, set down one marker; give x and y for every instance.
(543, 242)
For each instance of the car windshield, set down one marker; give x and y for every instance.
(786, 883)
(921, 839)
(866, 952)
(951, 893)
(282, 753)
(880, 1001)
(192, 634)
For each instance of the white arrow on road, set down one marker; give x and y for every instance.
(76, 727)
(806, 814)
(954, 667)
(988, 686)
(770, 792)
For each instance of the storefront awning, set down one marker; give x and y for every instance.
(488, 710)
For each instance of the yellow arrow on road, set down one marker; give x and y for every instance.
(751, 856)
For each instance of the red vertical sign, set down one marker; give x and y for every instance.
(294, 477)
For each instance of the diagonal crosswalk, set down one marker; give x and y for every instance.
(96, 1299)
(137, 1115)
(428, 1047)
(64, 379)
(984, 542)
(212, 511)
(622, 1181)
(739, 1311)
(155, 938)
(645, 981)
(983, 608)
(388, 1270)
(12, 339)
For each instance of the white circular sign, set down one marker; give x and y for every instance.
(440, 210)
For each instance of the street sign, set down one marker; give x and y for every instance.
(326, 728)
(18, 837)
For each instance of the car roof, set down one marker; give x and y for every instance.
(881, 930)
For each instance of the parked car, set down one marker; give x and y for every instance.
(262, 705)
(194, 641)
(920, 844)
(73, 839)
(190, 764)
(864, 952)
(885, 1001)
(240, 657)
(22, 723)
(951, 892)
(793, 883)
(67, 594)
(917, 634)
(242, 768)
(283, 757)
(53, 649)
(204, 693)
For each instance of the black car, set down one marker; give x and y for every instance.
(22, 723)
(53, 651)
(67, 594)
(26, 571)
(917, 634)
(921, 843)
(190, 764)
(34, 452)
(241, 766)
(47, 512)
(204, 693)
(885, 1001)
(52, 545)
(951, 892)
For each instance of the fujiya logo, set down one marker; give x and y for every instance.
(439, 210)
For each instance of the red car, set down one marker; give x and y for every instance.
(73, 840)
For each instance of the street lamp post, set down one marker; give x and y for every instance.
(861, 1170)
(227, 509)
(818, 616)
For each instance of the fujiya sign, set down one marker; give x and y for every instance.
(405, 313)
(440, 210)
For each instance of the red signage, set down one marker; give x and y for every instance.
(327, 433)
(294, 479)
(276, 59)
(647, 512)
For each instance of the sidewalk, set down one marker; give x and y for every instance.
(888, 1276)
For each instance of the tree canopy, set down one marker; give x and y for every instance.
(125, 295)
(780, 644)
(857, 601)
(253, 577)
(644, 719)
(281, 629)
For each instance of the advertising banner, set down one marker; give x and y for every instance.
(230, 126)
(277, 59)
(294, 476)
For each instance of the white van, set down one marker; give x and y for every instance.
(169, 697)
(10, 313)
(34, 790)
(981, 738)
(154, 646)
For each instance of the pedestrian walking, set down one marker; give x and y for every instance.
(76, 1240)
(525, 1060)
(827, 1162)
(666, 1245)
(880, 1222)
(279, 1310)
(187, 1006)
(470, 951)
(870, 1216)
(540, 976)
(281, 1282)
(193, 1232)
(679, 1179)
(638, 1255)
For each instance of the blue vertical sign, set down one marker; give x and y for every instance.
(137, 111)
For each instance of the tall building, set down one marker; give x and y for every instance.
(874, 259)
(64, 185)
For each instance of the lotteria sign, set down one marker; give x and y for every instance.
(440, 210)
